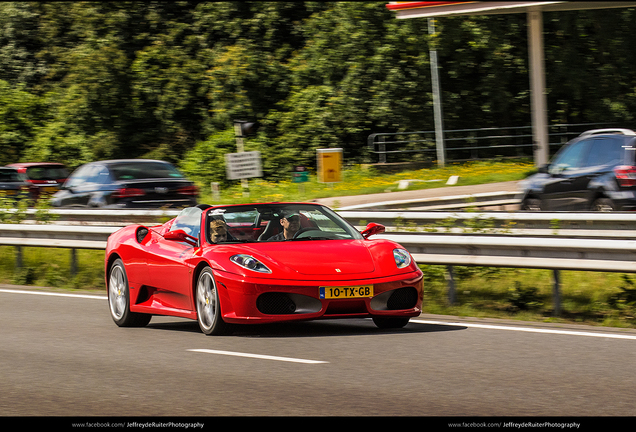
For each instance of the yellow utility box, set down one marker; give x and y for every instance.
(329, 165)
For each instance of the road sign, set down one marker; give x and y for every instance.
(243, 165)
(300, 174)
(329, 165)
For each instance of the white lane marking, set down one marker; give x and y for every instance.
(54, 294)
(258, 356)
(530, 330)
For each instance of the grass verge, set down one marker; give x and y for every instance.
(593, 298)
(361, 180)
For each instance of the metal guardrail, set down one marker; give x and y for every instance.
(478, 200)
(93, 225)
(490, 250)
(102, 216)
(614, 225)
(528, 252)
(63, 236)
(536, 247)
(125, 217)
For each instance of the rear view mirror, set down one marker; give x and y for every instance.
(373, 228)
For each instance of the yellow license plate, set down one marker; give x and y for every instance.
(346, 292)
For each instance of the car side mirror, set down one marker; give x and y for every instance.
(543, 169)
(373, 228)
(180, 235)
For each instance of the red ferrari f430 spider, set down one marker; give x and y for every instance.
(259, 263)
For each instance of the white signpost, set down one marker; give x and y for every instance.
(243, 165)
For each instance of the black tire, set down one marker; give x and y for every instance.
(603, 205)
(208, 305)
(531, 204)
(119, 298)
(390, 322)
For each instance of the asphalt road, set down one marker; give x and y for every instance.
(63, 356)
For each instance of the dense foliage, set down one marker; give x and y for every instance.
(83, 81)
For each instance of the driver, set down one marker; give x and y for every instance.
(291, 224)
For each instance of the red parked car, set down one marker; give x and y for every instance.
(327, 269)
(43, 177)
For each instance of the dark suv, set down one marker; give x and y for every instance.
(595, 171)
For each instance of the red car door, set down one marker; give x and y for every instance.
(169, 273)
(168, 262)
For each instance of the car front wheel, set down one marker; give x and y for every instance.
(531, 204)
(603, 205)
(208, 305)
(119, 298)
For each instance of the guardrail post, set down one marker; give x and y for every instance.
(73, 262)
(216, 191)
(450, 276)
(556, 292)
(18, 257)
(382, 149)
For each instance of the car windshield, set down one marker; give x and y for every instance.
(271, 222)
(188, 220)
(143, 170)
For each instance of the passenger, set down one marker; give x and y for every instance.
(290, 224)
(218, 231)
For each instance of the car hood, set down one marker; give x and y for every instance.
(311, 257)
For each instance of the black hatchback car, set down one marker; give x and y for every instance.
(127, 183)
(595, 171)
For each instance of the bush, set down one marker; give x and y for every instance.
(524, 298)
(206, 161)
(624, 301)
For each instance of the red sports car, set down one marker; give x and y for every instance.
(259, 263)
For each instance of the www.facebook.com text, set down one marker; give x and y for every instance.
(140, 425)
(519, 425)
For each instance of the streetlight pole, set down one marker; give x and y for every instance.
(437, 100)
(241, 128)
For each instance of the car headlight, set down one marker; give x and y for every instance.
(402, 258)
(250, 263)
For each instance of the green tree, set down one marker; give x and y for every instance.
(90, 80)
(590, 62)
(484, 71)
(360, 71)
(206, 161)
(246, 48)
(19, 121)
(19, 45)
